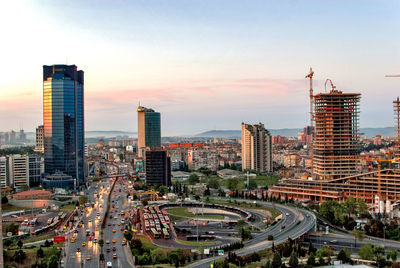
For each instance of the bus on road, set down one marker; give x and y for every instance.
(155, 233)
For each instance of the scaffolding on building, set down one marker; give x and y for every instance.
(396, 107)
(336, 144)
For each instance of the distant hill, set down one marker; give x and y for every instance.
(292, 132)
(108, 133)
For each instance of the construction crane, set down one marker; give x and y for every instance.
(310, 76)
(392, 75)
(332, 86)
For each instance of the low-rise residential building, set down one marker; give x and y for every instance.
(229, 174)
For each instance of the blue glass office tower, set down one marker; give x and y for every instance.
(149, 128)
(63, 118)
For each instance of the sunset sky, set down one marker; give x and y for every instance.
(204, 64)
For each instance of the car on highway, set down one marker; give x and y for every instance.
(107, 241)
(283, 227)
(287, 214)
(83, 244)
(109, 264)
(114, 230)
(78, 250)
(114, 241)
(95, 240)
(114, 248)
(122, 228)
(88, 258)
(114, 256)
(108, 250)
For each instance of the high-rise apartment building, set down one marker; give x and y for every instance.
(158, 168)
(3, 172)
(34, 167)
(256, 148)
(39, 139)
(149, 129)
(336, 144)
(202, 159)
(63, 117)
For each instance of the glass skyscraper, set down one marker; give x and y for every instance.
(63, 118)
(149, 128)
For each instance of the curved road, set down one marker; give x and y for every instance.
(296, 221)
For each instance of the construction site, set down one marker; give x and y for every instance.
(335, 153)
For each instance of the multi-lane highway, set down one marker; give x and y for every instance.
(82, 249)
(114, 231)
(294, 223)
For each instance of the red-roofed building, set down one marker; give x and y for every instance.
(32, 194)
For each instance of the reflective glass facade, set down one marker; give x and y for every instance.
(63, 117)
(152, 129)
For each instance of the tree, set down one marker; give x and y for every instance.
(252, 185)
(174, 258)
(4, 200)
(392, 255)
(311, 259)
(19, 256)
(358, 235)
(101, 243)
(40, 253)
(20, 244)
(276, 261)
(158, 255)
(270, 237)
(53, 261)
(344, 255)
(145, 202)
(128, 235)
(311, 248)
(25, 187)
(83, 199)
(378, 250)
(381, 262)
(293, 261)
(213, 183)
(350, 205)
(366, 252)
(193, 179)
(233, 184)
(332, 211)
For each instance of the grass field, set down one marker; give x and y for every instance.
(38, 238)
(261, 180)
(8, 208)
(195, 243)
(147, 243)
(184, 212)
(274, 212)
(69, 207)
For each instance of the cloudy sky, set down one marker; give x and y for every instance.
(204, 64)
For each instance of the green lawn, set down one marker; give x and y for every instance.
(195, 243)
(261, 180)
(181, 212)
(147, 244)
(69, 207)
(8, 208)
(39, 238)
(274, 212)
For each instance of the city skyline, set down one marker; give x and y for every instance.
(202, 65)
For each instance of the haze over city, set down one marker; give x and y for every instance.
(202, 64)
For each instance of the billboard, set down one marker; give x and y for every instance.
(59, 239)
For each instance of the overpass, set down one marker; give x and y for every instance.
(297, 222)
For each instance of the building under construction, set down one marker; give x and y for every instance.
(336, 137)
(396, 107)
(335, 154)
